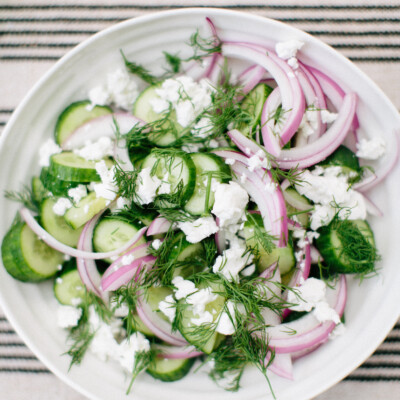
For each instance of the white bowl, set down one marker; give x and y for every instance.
(372, 307)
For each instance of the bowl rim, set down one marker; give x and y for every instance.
(143, 20)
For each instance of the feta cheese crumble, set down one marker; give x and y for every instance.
(199, 229)
(68, 316)
(230, 203)
(107, 189)
(93, 151)
(326, 187)
(187, 97)
(147, 186)
(371, 149)
(233, 260)
(46, 150)
(61, 206)
(183, 287)
(77, 193)
(288, 49)
(120, 90)
(168, 307)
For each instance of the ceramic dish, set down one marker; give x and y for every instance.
(372, 307)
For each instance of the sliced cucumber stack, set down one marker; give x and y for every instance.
(75, 115)
(68, 166)
(26, 257)
(208, 167)
(54, 185)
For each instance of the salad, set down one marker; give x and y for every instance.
(209, 214)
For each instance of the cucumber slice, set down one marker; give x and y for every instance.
(208, 166)
(170, 370)
(141, 327)
(284, 256)
(68, 166)
(85, 210)
(112, 233)
(168, 130)
(253, 104)
(156, 294)
(75, 115)
(347, 247)
(177, 169)
(343, 157)
(39, 192)
(68, 287)
(182, 250)
(26, 257)
(55, 185)
(56, 225)
(204, 342)
(293, 198)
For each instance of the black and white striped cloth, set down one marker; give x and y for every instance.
(36, 33)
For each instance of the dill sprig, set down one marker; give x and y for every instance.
(260, 236)
(140, 71)
(143, 360)
(81, 336)
(174, 62)
(359, 251)
(24, 196)
(203, 47)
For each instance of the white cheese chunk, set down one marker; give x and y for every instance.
(68, 316)
(371, 149)
(230, 203)
(61, 206)
(46, 150)
(288, 49)
(183, 287)
(168, 307)
(147, 186)
(92, 151)
(199, 229)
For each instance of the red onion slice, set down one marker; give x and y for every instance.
(158, 226)
(292, 95)
(178, 352)
(160, 327)
(99, 127)
(317, 151)
(307, 331)
(281, 365)
(124, 274)
(137, 252)
(61, 247)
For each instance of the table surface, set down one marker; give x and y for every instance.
(36, 33)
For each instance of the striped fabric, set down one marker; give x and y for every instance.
(36, 33)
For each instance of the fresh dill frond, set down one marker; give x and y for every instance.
(126, 182)
(81, 335)
(203, 47)
(228, 365)
(143, 360)
(174, 62)
(260, 236)
(24, 196)
(139, 71)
